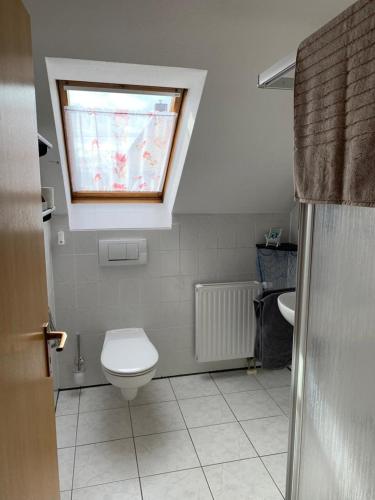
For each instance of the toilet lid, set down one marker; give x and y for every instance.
(128, 351)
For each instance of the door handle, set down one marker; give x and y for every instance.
(54, 335)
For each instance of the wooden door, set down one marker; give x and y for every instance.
(28, 458)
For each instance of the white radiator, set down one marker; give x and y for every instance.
(225, 320)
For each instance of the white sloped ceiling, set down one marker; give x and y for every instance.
(240, 158)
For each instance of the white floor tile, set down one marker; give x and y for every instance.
(221, 443)
(282, 396)
(208, 410)
(67, 402)
(104, 463)
(154, 392)
(121, 490)
(157, 417)
(268, 435)
(66, 428)
(166, 452)
(103, 425)
(235, 381)
(101, 398)
(252, 404)
(66, 461)
(193, 386)
(65, 495)
(276, 465)
(183, 485)
(244, 480)
(274, 378)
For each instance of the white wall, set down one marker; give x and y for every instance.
(239, 161)
(240, 158)
(293, 228)
(159, 296)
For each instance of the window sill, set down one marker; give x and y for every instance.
(102, 216)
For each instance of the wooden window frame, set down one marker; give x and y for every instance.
(119, 196)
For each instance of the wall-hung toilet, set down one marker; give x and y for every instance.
(128, 360)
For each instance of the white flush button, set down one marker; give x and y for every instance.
(116, 251)
(124, 252)
(132, 251)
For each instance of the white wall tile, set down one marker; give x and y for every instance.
(158, 296)
(63, 268)
(208, 262)
(153, 267)
(86, 268)
(188, 262)
(188, 232)
(227, 261)
(150, 289)
(129, 291)
(87, 295)
(170, 239)
(170, 263)
(245, 231)
(85, 242)
(65, 295)
(170, 289)
(227, 231)
(245, 260)
(208, 231)
(109, 293)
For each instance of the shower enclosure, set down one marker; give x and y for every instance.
(332, 427)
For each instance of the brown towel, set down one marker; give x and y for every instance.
(334, 111)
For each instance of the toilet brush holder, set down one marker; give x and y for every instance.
(79, 372)
(79, 378)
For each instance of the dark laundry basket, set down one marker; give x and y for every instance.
(277, 266)
(274, 335)
(277, 269)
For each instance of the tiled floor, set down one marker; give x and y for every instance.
(213, 436)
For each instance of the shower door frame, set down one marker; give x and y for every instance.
(305, 243)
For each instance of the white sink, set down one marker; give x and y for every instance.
(287, 305)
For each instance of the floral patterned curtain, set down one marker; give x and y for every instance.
(118, 151)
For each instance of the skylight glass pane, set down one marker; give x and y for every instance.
(118, 141)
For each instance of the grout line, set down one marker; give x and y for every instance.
(236, 421)
(247, 437)
(132, 478)
(188, 429)
(172, 471)
(101, 484)
(269, 473)
(135, 451)
(97, 410)
(274, 454)
(192, 442)
(101, 442)
(253, 446)
(260, 418)
(75, 445)
(279, 405)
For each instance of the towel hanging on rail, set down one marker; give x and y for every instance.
(334, 108)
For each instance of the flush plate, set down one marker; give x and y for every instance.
(123, 252)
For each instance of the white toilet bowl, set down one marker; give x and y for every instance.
(128, 360)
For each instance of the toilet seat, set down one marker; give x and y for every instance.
(118, 374)
(128, 352)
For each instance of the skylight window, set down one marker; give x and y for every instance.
(123, 132)
(119, 139)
